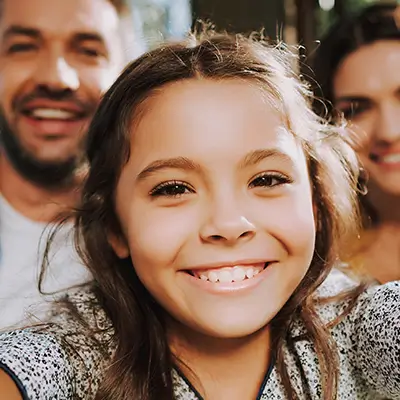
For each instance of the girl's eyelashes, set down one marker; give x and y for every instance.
(179, 188)
(171, 189)
(270, 180)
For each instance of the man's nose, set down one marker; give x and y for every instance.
(57, 75)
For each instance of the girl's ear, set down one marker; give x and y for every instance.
(119, 245)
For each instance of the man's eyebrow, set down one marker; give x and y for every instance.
(15, 30)
(168, 163)
(256, 156)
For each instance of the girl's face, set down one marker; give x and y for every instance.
(367, 90)
(215, 205)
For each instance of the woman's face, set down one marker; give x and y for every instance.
(215, 205)
(367, 89)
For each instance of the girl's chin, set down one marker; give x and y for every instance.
(214, 327)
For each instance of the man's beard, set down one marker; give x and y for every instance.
(51, 175)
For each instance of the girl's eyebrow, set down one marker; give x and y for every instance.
(256, 156)
(169, 163)
(183, 163)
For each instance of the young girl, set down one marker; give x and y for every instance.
(212, 215)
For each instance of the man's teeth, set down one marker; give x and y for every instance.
(390, 159)
(227, 275)
(52, 113)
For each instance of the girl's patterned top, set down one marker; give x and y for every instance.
(59, 361)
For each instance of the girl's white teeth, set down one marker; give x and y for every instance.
(52, 113)
(249, 273)
(213, 276)
(239, 274)
(228, 275)
(225, 277)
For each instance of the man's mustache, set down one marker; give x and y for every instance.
(87, 106)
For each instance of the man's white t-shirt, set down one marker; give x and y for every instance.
(22, 244)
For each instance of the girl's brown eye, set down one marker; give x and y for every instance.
(171, 189)
(270, 180)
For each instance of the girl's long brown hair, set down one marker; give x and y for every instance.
(142, 363)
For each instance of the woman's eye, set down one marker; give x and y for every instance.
(171, 189)
(353, 110)
(269, 180)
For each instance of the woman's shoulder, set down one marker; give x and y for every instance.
(63, 358)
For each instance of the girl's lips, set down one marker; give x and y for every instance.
(230, 287)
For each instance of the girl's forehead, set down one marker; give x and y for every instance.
(203, 105)
(194, 94)
(193, 106)
(213, 122)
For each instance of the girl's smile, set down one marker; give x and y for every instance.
(234, 279)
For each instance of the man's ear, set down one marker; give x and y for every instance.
(119, 245)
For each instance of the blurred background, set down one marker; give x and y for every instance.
(295, 21)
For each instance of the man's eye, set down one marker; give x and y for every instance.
(269, 180)
(21, 47)
(171, 189)
(90, 52)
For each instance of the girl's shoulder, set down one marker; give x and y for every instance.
(365, 328)
(63, 358)
(343, 294)
(353, 308)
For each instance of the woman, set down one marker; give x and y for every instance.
(358, 69)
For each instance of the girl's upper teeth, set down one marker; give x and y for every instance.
(52, 113)
(229, 274)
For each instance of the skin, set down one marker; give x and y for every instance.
(43, 46)
(9, 390)
(367, 89)
(214, 209)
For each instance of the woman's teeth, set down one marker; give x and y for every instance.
(390, 159)
(227, 275)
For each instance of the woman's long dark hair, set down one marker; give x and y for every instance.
(141, 367)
